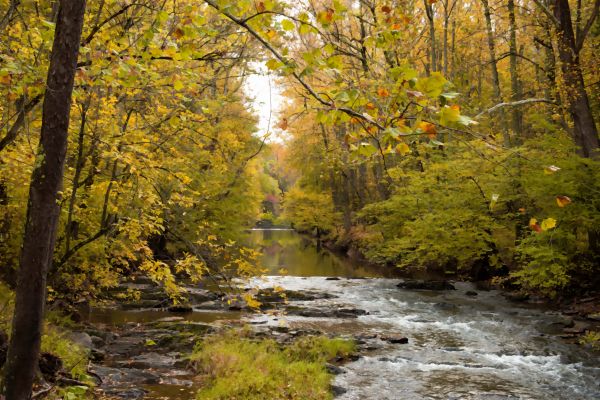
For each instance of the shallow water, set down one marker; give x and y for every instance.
(460, 347)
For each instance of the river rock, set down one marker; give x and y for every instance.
(334, 369)
(425, 285)
(394, 339)
(124, 376)
(181, 308)
(578, 328)
(516, 296)
(82, 339)
(332, 278)
(446, 306)
(471, 293)
(50, 365)
(151, 361)
(337, 390)
(594, 316)
(126, 393)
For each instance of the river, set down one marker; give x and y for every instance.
(479, 347)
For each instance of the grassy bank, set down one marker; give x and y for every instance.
(238, 367)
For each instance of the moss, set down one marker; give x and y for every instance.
(237, 367)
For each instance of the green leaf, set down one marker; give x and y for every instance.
(274, 64)
(431, 86)
(287, 25)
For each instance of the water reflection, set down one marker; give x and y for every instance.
(285, 252)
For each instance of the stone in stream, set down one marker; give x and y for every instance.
(471, 293)
(446, 306)
(112, 377)
(332, 278)
(82, 339)
(334, 369)
(425, 285)
(337, 390)
(594, 316)
(152, 361)
(395, 339)
(126, 393)
(181, 308)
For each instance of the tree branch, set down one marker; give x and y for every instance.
(547, 11)
(582, 34)
(11, 135)
(8, 16)
(288, 64)
(514, 104)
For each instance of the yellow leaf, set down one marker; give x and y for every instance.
(562, 201)
(548, 223)
(402, 149)
(178, 85)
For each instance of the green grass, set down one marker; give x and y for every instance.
(237, 367)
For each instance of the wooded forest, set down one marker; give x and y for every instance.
(439, 142)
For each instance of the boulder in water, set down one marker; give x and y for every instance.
(471, 293)
(395, 339)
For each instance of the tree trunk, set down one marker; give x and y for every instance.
(432, 51)
(516, 92)
(494, 67)
(585, 131)
(43, 208)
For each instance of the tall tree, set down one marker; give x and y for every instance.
(570, 43)
(43, 205)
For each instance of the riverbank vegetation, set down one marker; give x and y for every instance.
(241, 368)
(457, 136)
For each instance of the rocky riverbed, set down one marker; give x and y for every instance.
(416, 340)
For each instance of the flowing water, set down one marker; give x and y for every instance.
(459, 346)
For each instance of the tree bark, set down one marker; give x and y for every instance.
(585, 132)
(494, 67)
(43, 207)
(432, 50)
(516, 92)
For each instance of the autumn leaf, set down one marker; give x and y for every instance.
(548, 224)
(396, 27)
(428, 128)
(283, 124)
(386, 9)
(402, 149)
(178, 33)
(534, 225)
(260, 7)
(383, 92)
(562, 201)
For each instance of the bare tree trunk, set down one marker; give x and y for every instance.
(432, 51)
(494, 67)
(515, 85)
(585, 131)
(43, 208)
